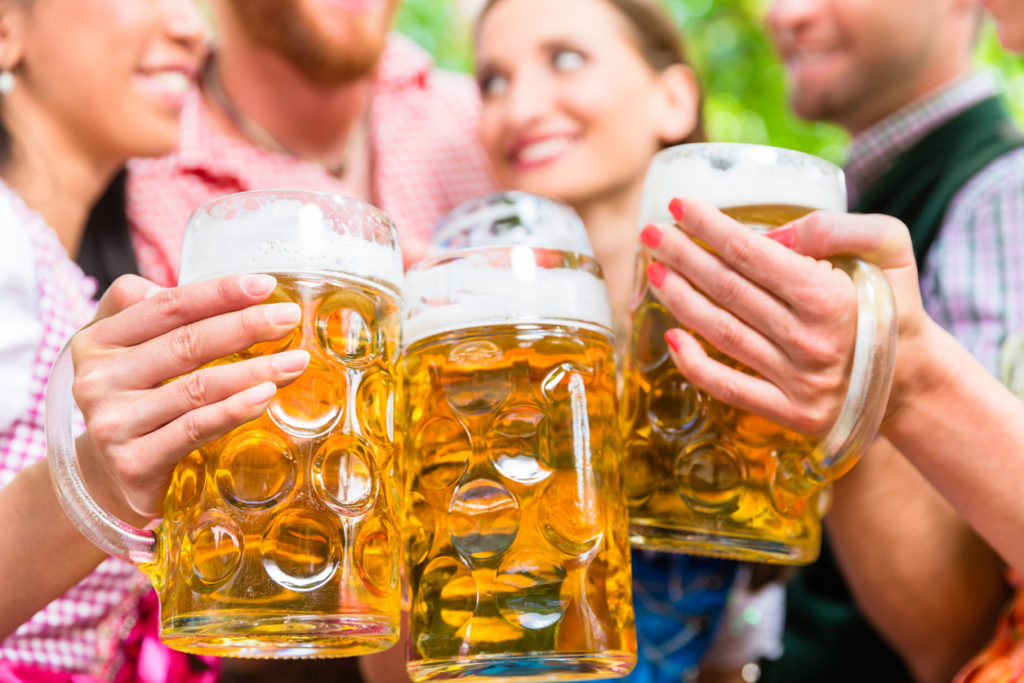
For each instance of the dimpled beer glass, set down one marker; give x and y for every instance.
(281, 538)
(705, 477)
(516, 545)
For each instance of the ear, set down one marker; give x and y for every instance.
(13, 16)
(678, 103)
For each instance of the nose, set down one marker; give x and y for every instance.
(786, 17)
(185, 24)
(528, 96)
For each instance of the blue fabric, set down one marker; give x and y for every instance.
(678, 600)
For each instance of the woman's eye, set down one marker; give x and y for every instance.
(567, 60)
(495, 84)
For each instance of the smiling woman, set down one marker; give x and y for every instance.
(574, 107)
(86, 85)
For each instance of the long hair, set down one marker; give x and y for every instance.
(658, 41)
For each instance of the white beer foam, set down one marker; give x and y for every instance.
(285, 236)
(523, 293)
(735, 174)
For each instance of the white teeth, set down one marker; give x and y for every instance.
(172, 81)
(544, 148)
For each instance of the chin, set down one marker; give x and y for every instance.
(1011, 37)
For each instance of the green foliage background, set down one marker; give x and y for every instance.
(742, 76)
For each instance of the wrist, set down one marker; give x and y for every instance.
(924, 360)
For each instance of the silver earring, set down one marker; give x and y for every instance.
(6, 81)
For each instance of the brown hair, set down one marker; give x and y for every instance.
(658, 40)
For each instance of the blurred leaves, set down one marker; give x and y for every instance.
(743, 80)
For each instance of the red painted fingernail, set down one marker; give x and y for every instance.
(677, 208)
(785, 235)
(672, 338)
(651, 236)
(656, 273)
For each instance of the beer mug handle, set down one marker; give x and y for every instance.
(108, 533)
(870, 375)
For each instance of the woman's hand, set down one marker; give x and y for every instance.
(780, 311)
(145, 404)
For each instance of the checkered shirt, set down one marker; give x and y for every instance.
(972, 280)
(426, 158)
(82, 630)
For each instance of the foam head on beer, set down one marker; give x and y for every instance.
(519, 259)
(298, 231)
(510, 218)
(729, 175)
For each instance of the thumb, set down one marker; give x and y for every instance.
(880, 239)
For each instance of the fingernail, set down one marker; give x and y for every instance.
(284, 313)
(261, 393)
(153, 291)
(677, 208)
(255, 285)
(656, 273)
(291, 361)
(785, 235)
(673, 340)
(651, 236)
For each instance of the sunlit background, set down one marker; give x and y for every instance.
(741, 74)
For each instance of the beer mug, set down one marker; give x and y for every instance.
(704, 477)
(281, 538)
(516, 545)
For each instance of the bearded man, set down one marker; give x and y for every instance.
(317, 95)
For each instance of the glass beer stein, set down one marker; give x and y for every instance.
(516, 544)
(280, 538)
(707, 478)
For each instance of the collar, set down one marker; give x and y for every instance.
(403, 66)
(873, 152)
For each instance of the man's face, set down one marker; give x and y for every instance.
(329, 41)
(856, 61)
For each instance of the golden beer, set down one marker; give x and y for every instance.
(705, 477)
(287, 528)
(516, 546)
(689, 456)
(281, 538)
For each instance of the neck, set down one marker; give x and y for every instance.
(612, 228)
(55, 175)
(883, 105)
(307, 119)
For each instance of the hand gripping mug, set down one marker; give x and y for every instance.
(281, 538)
(707, 478)
(516, 548)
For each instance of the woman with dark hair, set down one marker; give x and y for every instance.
(84, 85)
(578, 95)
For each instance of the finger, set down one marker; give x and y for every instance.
(729, 385)
(882, 240)
(205, 387)
(719, 282)
(184, 349)
(126, 291)
(718, 326)
(168, 309)
(145, 477)
(758, 259)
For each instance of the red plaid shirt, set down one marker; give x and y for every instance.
(426, 159)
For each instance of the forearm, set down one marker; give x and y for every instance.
(43, 554)
(965, 432)
(918, 572)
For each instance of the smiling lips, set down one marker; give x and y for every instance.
(537, 152)
(170, 84)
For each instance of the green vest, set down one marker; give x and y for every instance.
(826, 636)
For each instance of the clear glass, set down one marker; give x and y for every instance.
(707, 478)
(281, 538)
(516, 544)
